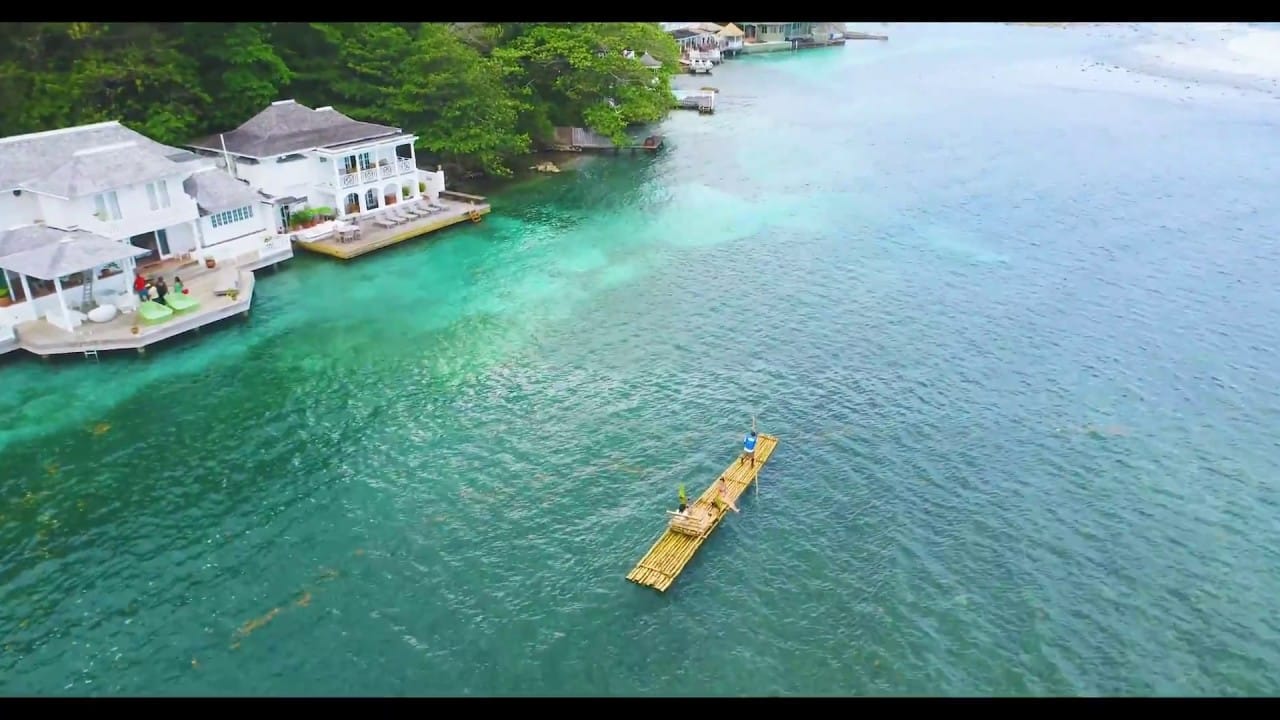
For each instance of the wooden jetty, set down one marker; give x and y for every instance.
(852, 35)
(704, 100)
(217, 295)
(378, 230)
(686, 533)
(576, 139)
(810, 43)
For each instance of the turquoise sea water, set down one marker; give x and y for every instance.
(1010, 309)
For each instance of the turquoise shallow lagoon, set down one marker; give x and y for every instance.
(1009, 306)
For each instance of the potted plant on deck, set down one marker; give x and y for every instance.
(422, 187)
(303, 218)
(324, 214)
(5, 300)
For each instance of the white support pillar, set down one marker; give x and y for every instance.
(26, 290)
(339, 192)
(66, 314)
(196, 231)
(413, 159)
(8, 284)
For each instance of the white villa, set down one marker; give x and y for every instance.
(697, 41)
(82, 207)
(299, 157)
(706, 40)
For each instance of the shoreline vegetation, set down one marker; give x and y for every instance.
(483, 97)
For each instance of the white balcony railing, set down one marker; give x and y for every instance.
(399, 166)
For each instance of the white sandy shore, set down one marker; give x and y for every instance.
(1231, 51)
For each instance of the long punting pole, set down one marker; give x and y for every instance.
(753, 429)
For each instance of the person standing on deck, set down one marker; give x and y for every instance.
(140, 287)
(162, 289)
(684, 504)
(749, 448)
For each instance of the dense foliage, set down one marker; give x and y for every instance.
(478, 94)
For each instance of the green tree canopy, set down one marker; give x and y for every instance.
(476, 94)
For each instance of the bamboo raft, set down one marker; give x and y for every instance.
(686, 533)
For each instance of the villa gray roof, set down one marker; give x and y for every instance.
(288, 127)
(686, 32)
(650, 61)
(79, 160)
(16, 240)
(93, 171)
(51, 253)
(215, 190)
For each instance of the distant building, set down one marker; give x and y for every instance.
(773, 36)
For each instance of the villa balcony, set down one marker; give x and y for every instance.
(392, 168)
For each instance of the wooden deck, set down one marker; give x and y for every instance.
(44, 339)
(810, 43)
(751, 47)
(371, 236)
(673, 551)
(581, 140)
(704, 101)
(851, 35)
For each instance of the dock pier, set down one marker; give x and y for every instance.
(366, 234)
(576, 139)
(704, 100)
(852, 35)
(218, 296)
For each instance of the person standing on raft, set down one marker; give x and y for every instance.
(749, 448)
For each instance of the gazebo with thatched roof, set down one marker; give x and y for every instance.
(731, 39)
